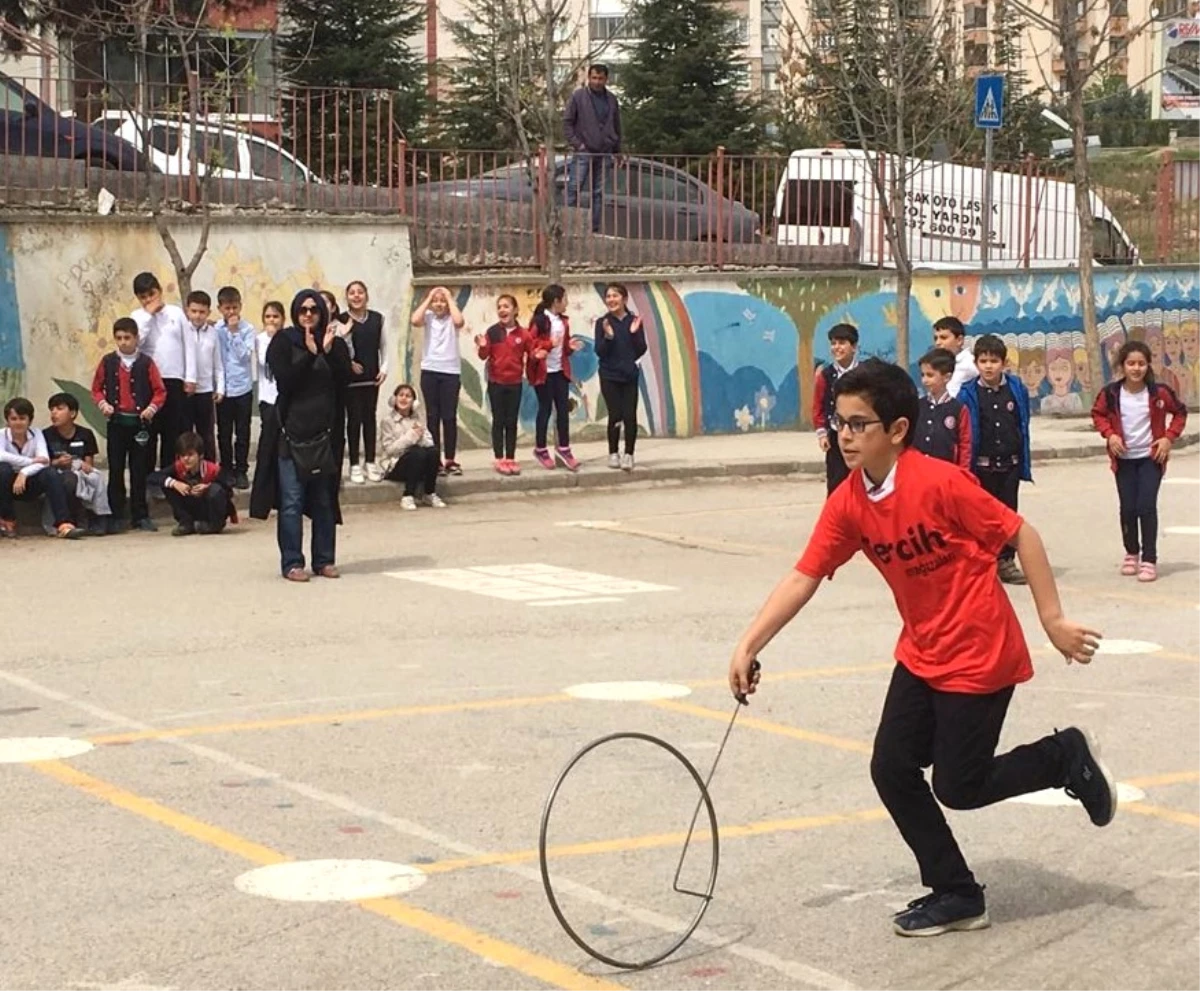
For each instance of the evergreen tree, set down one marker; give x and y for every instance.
(360, 82)
(680, 83)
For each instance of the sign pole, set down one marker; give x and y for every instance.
(985, 247)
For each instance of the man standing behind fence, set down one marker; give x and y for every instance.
(592, 124)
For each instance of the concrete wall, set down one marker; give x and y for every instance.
(726, 353)
(739, 352)
(63, 283)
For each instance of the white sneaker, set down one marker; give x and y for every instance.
(435, 501)
(373, 472)
(356, 475)
(626, 462)
(614, 461)
(408, 503)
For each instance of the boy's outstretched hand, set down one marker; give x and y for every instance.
(743, 674)
(1074, 642)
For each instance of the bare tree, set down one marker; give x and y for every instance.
(1085, 44)
(885, 75)
(180, 30)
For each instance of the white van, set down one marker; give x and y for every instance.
(222, 150)
(829, 197)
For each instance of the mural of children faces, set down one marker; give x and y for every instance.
(1154, 338)
(1012, 360)
(1033, 362)
(1060, 369)
(1189, 333)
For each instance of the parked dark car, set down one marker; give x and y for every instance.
(643, 199)
(32, 128)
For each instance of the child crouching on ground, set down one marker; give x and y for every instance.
(409, 454)
(200, 495)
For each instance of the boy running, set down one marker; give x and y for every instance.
(933, 533)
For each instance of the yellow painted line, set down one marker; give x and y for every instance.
(654, 841)
(1167, 655)
(147, 808)
(325, 718)
(799, 674)
(492, 950)
(1170, 815)
(1159, 780)
(766, 726)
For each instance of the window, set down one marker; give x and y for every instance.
(1118, 8)
(269, 162)
(610, 27)
(165, 139)
(654, 184)
(975, 56)
(976, 16)
(742, 30)
(818, 203)
(1117, 46)
(12, 100)
(1110, 247)
(218, 150)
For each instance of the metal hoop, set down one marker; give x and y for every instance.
(705, 896)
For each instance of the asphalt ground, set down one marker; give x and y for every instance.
(414, 713)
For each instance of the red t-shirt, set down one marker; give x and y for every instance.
(934, 538)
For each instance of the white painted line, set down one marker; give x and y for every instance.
(1056, 796)
(330, 880)
(797, 971)
(1181, 480)
(628, 691)
(1184, 531)
(24, 749)
(577, 602)
(536, 584)
(1113, 648)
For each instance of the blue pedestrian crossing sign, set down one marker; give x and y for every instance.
(989, 102)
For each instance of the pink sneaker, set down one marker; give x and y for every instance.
(1129, 566)
(542, 456)
(1147, 572)
(567, 458)
(501, 466)
(514, 467)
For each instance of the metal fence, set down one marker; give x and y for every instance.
(343, 151)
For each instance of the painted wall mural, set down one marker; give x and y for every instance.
(727, 356)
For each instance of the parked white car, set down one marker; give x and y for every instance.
(223, 151)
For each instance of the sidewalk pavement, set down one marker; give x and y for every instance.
(719, 456)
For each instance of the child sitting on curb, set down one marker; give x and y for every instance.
(409, 454)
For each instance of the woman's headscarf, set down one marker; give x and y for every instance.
(295, 332)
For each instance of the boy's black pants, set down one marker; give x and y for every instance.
(1004, 484)
(209, 507)
(122, 448)
(175, 418)
(836, 469)
(233, 432)
(204, 422)
(956, 734)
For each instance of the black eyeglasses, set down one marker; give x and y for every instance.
(856, 424)
(309, 309)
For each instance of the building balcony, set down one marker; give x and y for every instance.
(1118, 27)
(976, 36)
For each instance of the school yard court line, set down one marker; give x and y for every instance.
(1155, 598)
(1156, 811)
(396, 712)
(715, 544)
(445, 930)
(654, 841)
(765, 726)
(796, 971)
(1166, 655)
(1161, 780)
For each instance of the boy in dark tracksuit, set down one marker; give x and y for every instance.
(998, 405)
(129, 391)
(944, 429)
(843, 347)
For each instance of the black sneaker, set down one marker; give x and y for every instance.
(98, 526)
(183, 530)
(1011, 574)
(1088, 780)
(242, 481)
(943, 912)
(116, 526)
(146, 525)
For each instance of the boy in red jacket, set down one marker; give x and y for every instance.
(1131, 415)
(130, 392)
(933, 533)
(504, 346)
(199, 493)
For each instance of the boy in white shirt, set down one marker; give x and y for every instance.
(210, 372)
(949, 333)
(23, 462)
(164, 338)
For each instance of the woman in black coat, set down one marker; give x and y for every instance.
(310, 365)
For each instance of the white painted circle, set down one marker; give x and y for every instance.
(1184, 531)
(628, 691)
(330, 880)
(24, 749)
(1057, 796)
(1112, 647)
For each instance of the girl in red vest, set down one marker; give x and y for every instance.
(1131, 414)
(504, 346)
(549, 372)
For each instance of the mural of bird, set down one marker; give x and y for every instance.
(991, 299)
(1159, 285)
(1101, 300)
(1021, 293)
(1185, 284)
(1072, 291)
(1048, 294)
(1127, 289)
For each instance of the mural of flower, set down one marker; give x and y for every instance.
(764, 402)
(743, 419)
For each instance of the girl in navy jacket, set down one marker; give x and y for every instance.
(620, 343)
